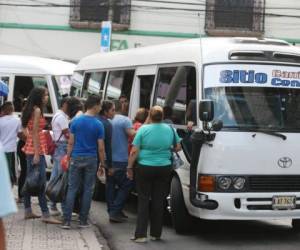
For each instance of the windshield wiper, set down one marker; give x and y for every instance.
(282, 136)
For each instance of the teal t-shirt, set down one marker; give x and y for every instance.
(154, 142)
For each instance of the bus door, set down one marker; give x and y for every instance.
(143, 88)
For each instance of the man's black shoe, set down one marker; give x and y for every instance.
(116, 219)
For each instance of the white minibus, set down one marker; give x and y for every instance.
(242, 95)
(23, 73)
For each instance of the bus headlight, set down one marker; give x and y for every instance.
(239, 183)
(224, 183)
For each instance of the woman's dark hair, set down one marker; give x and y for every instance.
(141, 115)
(106, 106)
(7, 108)
(73, 106)
(35, 99)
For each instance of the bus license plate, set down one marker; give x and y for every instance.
(284, 202)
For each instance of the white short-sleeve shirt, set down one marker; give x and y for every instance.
(60, 122)
(7, 204)
(10, 126)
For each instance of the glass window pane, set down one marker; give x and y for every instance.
(93, 83)
(176, 88)
(119, 83)
(4, 79)
(22, 88)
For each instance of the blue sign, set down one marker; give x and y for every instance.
(105, 36)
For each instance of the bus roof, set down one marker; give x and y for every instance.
(213, 50)
(34, 65)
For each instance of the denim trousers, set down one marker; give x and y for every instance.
(42, 197)
(118, 187)
(60, 151)
(82, 173)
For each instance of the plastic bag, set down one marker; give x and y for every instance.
(34, 184)
(57, 187)
(64, 163)
(176, 161)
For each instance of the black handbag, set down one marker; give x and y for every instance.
(34, 184)
(57, 187)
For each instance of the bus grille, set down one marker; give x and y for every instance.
(274, 183)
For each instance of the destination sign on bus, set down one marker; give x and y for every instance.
(252, 75)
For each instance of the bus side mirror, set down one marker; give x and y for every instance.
(206, 110)
(217, 125)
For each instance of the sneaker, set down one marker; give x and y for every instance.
(51, 220)
(139, 240)
(83, 225)
(54, 211)
(66, 225)
(154, 238)
(116, 219)
(123, 215)
(31, 216)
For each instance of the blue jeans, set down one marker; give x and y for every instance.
(116, 198)
(41, 197)
(60, 151)
(82, 173)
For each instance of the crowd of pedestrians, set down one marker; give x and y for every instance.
(97, 138)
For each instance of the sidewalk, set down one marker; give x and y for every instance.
(35, 235)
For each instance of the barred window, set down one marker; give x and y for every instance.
(235, 17)
(90, 13)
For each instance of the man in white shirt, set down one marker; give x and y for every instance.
(10, 130)
(7, 204)
(60, 128)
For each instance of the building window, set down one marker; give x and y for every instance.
(235, 17)
(90, 13)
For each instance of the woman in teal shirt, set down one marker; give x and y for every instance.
(152, 149)
(7, 204)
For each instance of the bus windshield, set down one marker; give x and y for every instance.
(266, 108)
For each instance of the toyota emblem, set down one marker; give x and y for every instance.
(285, 162)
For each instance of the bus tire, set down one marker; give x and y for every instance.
(296, 224)
(181, 219)
(99, 191)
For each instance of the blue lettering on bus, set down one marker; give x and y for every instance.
(242, 76)
(285, 83)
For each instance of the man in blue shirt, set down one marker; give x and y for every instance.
(121, 129)
(86, 138)
(7, 204)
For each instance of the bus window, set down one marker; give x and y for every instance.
(176, 92)
(146, 85)
(22, 88)
(4, 79)
(77, 82)
(119, 83)
(93, 83)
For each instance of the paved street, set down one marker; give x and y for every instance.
(36, 235)
(266, 235)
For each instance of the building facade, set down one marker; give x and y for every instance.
(70, 29)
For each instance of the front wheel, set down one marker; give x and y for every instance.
(182, 220)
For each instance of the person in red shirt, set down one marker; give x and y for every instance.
(139, 120)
